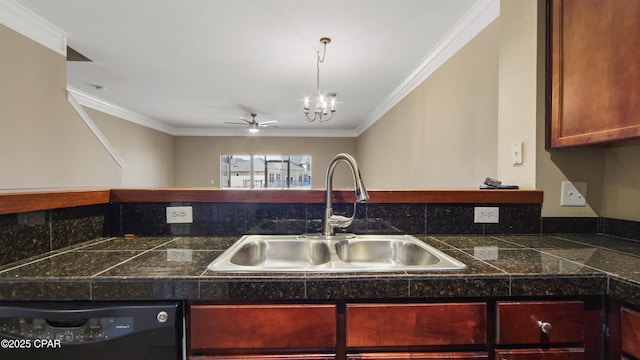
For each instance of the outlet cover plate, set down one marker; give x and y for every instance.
(486, 214)
(573, 193)
(179, 215)
(486, 252)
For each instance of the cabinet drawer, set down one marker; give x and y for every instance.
(416, 324)
(630, 332)
(539, 354)
(419, 356)
(519, 322)
(266, 357)
(262, 326)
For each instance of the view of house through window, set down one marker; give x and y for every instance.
(265, 171)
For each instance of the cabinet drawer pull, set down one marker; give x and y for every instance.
(545, 327)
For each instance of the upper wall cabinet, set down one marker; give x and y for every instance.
(594, 73)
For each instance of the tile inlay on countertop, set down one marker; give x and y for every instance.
(168, 267)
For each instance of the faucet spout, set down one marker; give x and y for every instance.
(331, 221)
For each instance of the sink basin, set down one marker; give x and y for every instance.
(385, 252)
(281, 253)
(308, 253)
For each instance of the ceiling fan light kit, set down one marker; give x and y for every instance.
(325, 107)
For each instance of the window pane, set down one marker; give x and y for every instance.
(235, 171)
(259, 180)
(275, 168)
(265, 171)
(300, 171)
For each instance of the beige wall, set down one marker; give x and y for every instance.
(197, 159)
(517, 93)
(148, 153)
(43, 142)
(621, 184)
(522, 115)
(444, 133)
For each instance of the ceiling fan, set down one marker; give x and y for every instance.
(254, 126)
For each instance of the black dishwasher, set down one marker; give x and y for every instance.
(91, 330)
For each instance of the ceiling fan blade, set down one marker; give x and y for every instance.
(267, 125)
(234, 123)
(268, 122)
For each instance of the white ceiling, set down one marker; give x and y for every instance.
(187, 66)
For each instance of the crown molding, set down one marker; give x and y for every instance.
(472, 23)
(23, 21)
(96, 131)
(104, 106)
(265, 132)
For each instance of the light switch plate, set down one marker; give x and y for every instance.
(516, 153)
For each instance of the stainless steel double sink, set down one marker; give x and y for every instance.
(340, 253)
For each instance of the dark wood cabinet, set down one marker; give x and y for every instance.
(382, 325)
(541, 354)
(593, 71)
(523, 322)
(554, 330)
(397, 330)
(420, 356)
(265, 357)
(630, 332)
(231, 329)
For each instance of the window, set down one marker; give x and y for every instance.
(265, 171)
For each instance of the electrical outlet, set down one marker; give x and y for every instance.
(573, 194)
(179, 214)
(486, 252)
(180, 255)
(486, 215)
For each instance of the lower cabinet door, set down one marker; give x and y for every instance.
(630, 332)
(383, 325)
(230, 329)
(266, 357)
(522, 322)
(420, 356)
(541, 354)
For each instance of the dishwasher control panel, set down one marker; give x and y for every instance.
(66, 331)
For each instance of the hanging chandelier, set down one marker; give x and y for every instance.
(325, 105)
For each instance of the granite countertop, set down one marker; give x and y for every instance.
(157, 268)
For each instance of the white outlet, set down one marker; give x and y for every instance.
(180, 255)
(573, 194)
(486, 252)
(179, 214)
(486, 215)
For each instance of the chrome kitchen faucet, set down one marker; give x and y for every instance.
(331, 221)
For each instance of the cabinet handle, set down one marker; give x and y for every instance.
(545, 327)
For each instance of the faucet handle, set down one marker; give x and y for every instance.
(340, 221)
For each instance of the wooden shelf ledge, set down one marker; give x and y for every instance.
(42, 200)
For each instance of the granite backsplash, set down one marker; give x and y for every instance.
(24, 235)
(28, 234)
